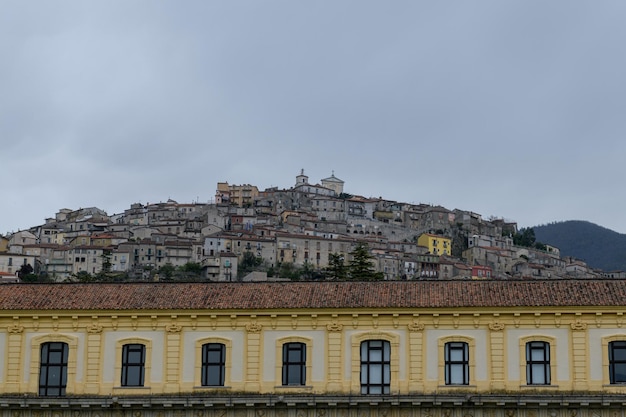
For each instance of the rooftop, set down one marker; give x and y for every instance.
(314, 295)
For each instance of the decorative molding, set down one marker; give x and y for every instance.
(254, 327)
(579, 325)
(173, 328)
(496, 326)
(334, 326)
(15, 328)
(94, 328)
(415, 326)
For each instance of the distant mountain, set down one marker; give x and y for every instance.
(599, 247)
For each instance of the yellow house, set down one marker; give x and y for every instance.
(437, 245)
(4, 244)
(401, 349)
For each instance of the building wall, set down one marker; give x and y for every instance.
(437, 245)
(496, 342)
(496, 334)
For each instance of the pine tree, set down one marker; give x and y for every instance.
(361, 268)
(336, 267)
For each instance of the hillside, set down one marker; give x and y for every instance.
(599, 247)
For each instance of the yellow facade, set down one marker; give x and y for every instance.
(416, 346)
(437, 245)
(578, 342)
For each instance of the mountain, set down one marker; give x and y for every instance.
(599, 247)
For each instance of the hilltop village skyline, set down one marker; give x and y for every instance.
(298, 233)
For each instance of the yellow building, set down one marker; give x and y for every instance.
(437, 245)
(239, 195)
(398, 349)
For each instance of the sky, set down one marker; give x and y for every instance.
(510, 109)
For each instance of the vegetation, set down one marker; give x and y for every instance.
(526, 237)
(598, 246)
(28, 274)
(337, 269)
(249, 263)
(459, 240)
(360, 268)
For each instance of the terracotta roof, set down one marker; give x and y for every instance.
(309, 295)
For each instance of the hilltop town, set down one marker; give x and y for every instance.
(304, 232)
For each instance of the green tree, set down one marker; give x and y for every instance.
(106, 261)
(24, 271)
(525, 237)
(249, 263)
(191, 271)
(361, 268)
(337, 268)
(288, 270)
(306, 272)
(167, 270)
(192, 267)
(84, 276)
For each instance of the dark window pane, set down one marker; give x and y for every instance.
(617, 362)
(294, 364)
(133, 365)
(538, 363)
(53, 369)
(213, 364)
(456, 357)
(375, 367)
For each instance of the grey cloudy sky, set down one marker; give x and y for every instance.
(513, 109)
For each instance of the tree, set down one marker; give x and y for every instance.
(288, 270)
(106, 261)
(191, 270)
(306, 272)
(167, 270)
(361, 268)
(25, 270)
(336, 267)
(249, 263)
(84, 276)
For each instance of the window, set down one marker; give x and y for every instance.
(456, 363)
(133, 365)
(213, 364)
(617, 362)
(294, 364)
(375, 367)
(53, 369)
(538, 363)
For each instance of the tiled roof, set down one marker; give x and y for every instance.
(312, 295)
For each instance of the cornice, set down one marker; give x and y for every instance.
(467, 400)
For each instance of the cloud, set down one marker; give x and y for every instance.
(510, 109)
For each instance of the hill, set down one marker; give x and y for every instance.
(599, 247)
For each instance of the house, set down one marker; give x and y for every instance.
(481, 272)
(436, 244)
(396, 349)
(11, 263)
